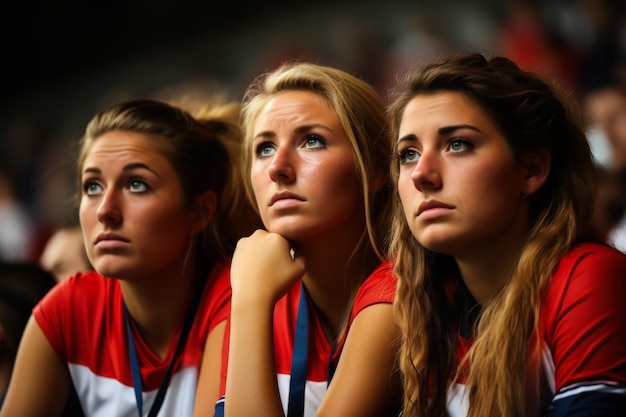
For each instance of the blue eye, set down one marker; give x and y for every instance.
(407, 156)
(264, 150)
(314, 141)
(91, 188)
(460, 145)
(137, 185)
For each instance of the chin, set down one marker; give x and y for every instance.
(106, 269)
(289, 229)
(436, 242)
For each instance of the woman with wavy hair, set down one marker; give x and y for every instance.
(506, 304)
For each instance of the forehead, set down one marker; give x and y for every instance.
(296, 106)
(443, 107)
(117, 147)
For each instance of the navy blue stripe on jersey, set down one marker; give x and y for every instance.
(592, 399)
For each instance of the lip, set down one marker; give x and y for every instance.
(110, 241)
(432, 205)
(286, 197)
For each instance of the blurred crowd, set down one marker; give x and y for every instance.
(580, 42)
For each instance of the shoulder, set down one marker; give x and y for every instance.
(593, 262)
(379, 287)
(216, 297)
(584, 325)
(382, 279)
(76, 306)
(588, 285)
(594, 252)
(79, 288)
(590, 268)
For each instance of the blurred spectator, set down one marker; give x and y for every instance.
(64, 254)
(15, 223)
(605, 111)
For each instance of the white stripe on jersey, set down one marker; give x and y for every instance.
(591, 386)
(313, 394)
(106, 397)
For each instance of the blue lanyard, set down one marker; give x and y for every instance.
(297, 383)
(134, 362)
(295, 406)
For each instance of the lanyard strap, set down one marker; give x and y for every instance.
(331, 364)
(134, 362)
(297, 383)
(295, 406)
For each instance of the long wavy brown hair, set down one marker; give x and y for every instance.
(533, 113)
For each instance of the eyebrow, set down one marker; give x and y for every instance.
(299, 129)
(441, 131)
(128, 167)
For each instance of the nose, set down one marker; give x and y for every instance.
(108, 210)
(427, 173)
(282, 166)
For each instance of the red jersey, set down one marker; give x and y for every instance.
(379, 287)
(83, 320)
(583, 326)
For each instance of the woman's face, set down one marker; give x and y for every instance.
(303, 169)
(606, 109)
(132, 211)
(459, 183)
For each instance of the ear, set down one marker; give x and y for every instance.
(537, 166)
(204, 209)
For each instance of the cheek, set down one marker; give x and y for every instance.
(343, 184)
(258, 177)
(86, 213)
(493, 191)
(163, 219)
(406, 188)
(259, 181)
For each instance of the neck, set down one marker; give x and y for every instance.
(485, 273)
(155, 306)
(332, 278)
(486, 264)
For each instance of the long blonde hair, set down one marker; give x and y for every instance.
(504, 361)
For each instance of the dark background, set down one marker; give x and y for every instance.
(54, 42)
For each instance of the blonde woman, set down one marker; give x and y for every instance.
(311, 328)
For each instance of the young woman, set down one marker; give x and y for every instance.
(507, 307)
(311, 327)
(156, 211)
